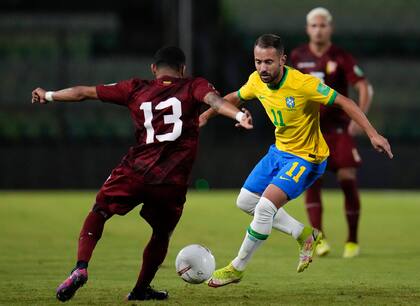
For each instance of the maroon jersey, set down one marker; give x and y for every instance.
(165, 114)
(337, 69)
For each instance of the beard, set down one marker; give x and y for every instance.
(269, 78)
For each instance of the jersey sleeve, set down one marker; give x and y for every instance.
(201, 87)
(352, 71)
(316, 91)
(247, 91)
(118, 93)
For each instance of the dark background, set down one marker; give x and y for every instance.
(60, 44)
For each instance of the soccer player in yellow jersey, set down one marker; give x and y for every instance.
(291, 100)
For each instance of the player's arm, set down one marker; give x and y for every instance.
(365, 91)
(379, 142)
(227, 108)
(232, 98)
(72, 94)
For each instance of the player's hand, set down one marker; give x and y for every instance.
(202, 120)
(38, 96)
(381, 144)
(246, 121)
(354, 129)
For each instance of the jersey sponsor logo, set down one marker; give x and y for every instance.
(290, 102)
(358, 71)
(284, 178)
(331, 67)
(303, 65)
(323, 89)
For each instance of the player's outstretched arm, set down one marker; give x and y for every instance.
(379, 142)
(224, 107)
(232, 98)
(72, 94)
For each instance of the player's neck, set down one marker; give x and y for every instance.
(167, 72)
(319, 49)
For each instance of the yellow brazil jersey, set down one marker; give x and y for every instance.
(293, 108)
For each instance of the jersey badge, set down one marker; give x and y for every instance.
(331, 67)
(358, 71)
(323, 89)
(290, 102)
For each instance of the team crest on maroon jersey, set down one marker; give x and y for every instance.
(331, 67)
(290, 102)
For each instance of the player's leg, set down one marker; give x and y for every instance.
(254, 186)
(282, 221)
(313, 203)
(347, 160)
(116, 188)
(283, 186)
(294, 178)
(162, 209)
(348, 183)
(257, 233)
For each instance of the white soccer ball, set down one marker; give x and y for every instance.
(195, 264)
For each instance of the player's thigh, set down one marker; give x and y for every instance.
(163, 206)
(343, 151)
(262, 174)
(297, 175)
(121, 192)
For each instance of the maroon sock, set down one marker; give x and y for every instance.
(89, 235)
(313, 204)
(153, 256)
(352, 206)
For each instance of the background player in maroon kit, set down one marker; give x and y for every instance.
(155, 171)
(338, 69)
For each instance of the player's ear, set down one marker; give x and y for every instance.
(182, 70)
(153, 68)
(283, 59)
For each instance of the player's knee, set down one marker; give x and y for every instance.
(247, 201)
(265, 211)
(346, 174)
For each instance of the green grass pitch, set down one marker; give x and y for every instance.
(39, 232)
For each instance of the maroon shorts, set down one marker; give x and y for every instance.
(343, 151)
(125, 189)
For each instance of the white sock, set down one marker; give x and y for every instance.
(247, 201)
(258, 231)
(282, 221)
(287, 224)
(248, 247)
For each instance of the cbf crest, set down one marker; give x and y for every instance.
(290, 102)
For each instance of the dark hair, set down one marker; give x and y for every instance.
(172, 57)
(270, 41)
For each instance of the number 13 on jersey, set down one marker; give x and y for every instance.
(173, 118)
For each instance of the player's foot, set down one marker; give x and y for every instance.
(225, 276)
(147, 294)
(323, 248)
(351, 249)
(308, 242)
(68, 288)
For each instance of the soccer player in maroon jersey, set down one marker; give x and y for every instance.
(337, 68)
(155, 171)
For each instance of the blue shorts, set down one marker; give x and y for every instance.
(289, 172)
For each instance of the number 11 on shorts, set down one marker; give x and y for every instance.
(293, 168)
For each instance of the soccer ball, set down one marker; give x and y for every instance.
(195, 264)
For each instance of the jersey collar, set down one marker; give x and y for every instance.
(279, 84)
